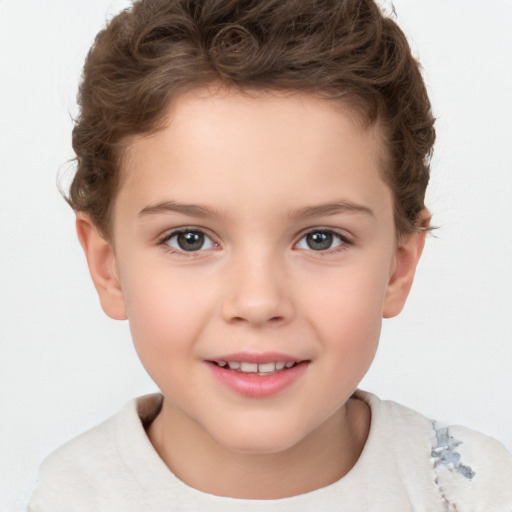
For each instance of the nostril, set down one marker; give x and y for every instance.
(253, 319)
(238, 319)
(256, 306)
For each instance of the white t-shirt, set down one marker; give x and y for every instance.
(408, 463)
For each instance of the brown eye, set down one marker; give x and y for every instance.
(189, 241)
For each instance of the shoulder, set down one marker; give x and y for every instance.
(473, 468)
(95, 463)
(469, 470)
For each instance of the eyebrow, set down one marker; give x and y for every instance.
(332, 209)
(192, 210)
(195, 210)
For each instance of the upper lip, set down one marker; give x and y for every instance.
(259, 358)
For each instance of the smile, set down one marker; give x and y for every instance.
(262, 369)
(258, 375)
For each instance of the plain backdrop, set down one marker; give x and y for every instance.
(64, 366)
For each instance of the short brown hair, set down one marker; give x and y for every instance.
(346, 49)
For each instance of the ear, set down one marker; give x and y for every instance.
(407, 256)
(102, 267)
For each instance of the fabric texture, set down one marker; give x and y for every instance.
(408, 463)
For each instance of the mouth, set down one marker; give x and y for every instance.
(258, 375)
(261, 369)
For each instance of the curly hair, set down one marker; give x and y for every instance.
(347, 50)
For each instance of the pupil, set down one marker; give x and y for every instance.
(191, 240)
(319, 241)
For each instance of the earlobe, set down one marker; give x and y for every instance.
(407, 256)
(102, 267)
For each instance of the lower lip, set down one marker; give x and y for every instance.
(258, 386)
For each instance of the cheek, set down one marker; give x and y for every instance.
(347, 323)
(166, 313)
(348, 308)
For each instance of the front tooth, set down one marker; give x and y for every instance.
(289, 364)
(279, 365)
(249, 367)
(266, 367)
(234, 365)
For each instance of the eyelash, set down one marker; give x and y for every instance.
(176, 232)
(344, 244)
(344, 241)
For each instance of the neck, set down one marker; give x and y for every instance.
(320, 459)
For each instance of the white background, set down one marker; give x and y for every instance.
(64, 366)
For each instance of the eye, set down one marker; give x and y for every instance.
(189, 240)
(321, 240)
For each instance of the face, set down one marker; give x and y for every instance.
(255, 256)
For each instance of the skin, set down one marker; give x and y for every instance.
(262, 167)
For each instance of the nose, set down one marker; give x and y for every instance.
(258, 294)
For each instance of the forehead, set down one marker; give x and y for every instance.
(220, 145)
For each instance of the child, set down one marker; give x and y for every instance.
(250, 195)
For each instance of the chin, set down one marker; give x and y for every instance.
(259, 440)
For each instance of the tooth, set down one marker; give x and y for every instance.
(249, 367)
(280, 365)
(222, 363)
(266, 367)
(234, 365)
(289, 364)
